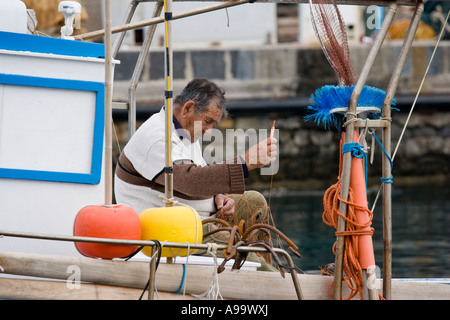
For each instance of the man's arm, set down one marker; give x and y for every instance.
(206, 181)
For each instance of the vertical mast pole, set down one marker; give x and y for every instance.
(386, 164)
(108, 105)
(168, 170)
(347, 157)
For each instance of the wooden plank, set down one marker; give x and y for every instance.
(419, 290)
(108, 272)
(58, 290)
(371, 123)
(233, 284)
(133, 274)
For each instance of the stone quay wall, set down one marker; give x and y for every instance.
(279, 71)
(309, 155)
(274, 83)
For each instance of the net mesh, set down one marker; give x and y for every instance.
(330, 29)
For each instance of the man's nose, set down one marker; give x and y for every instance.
(207, 129)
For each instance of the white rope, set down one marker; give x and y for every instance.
(154, 286)
(213, 291)
(413, 105)
(420, 87)
(362, 138)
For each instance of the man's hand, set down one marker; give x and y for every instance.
(225, 206)
(261, 154)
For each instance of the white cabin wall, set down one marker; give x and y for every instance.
(248, 24)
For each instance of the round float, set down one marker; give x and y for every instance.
(111, 222)
(173, 224)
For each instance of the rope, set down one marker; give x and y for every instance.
(386, 180)
(185, 267)
(158, 244)
(213, 291)
(358, 151)
(355, 148)
(353, 275)
(184, 276)
(383, 179)
(421, 84)
(182, 280)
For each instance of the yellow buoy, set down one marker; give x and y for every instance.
(173, 224)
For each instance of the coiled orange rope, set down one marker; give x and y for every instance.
(353, 275)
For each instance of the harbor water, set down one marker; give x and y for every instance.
(420, 230)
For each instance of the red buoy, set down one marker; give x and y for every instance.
(107, 221)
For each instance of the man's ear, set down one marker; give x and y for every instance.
(188, 109)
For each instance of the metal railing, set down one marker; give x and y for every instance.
(154, 245)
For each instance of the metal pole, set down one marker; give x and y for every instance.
(146, 23)
(386, 164)
(347, 160)
(168, 71)
(201, 246)
(138, 71)
(152, 277)
(128, 16)
(108, 106)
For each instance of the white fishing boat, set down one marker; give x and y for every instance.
(56, 160)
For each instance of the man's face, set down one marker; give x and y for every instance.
(199, 124)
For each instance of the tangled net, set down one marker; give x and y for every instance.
(251, 237)
(331, 31)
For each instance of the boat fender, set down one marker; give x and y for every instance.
(180, 224)
(107, 221)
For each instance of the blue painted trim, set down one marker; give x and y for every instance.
(29, 42)
(99, 124)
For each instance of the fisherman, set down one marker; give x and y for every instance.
(214, 190)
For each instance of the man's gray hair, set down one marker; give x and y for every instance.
(203, 92)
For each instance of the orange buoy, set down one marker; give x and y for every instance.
(363, 215)
(111, 222)
(358, 252)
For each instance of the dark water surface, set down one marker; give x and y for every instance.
(420, 230)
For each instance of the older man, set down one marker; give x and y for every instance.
(214, 190)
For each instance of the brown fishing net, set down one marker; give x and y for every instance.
(252, 225)
(331, 31)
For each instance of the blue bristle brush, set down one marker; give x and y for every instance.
(329, 104)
